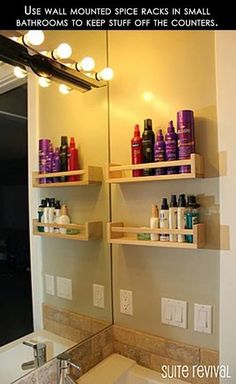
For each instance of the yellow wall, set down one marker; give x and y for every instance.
(84, 116)
(156, 74)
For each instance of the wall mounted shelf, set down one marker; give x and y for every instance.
(123, 173)
(91, 230)
(117, 233)
(91, 175)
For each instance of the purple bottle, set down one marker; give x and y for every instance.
(171, 148)
(43, 151)
(186, 137)
(159, 152)
(49, 158)
(56, 164)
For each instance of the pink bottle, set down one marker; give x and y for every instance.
(136, 151)
(73, 160)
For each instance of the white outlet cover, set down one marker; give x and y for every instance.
(98, 296)
(174, 312)
(64, 288)
(126, 302)
(49, 284)
(203, 318)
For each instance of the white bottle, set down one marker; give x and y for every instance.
(173, 217)
(64, 218)
(164, 219)
(154, 223)
(46, 215)
(51, 213)
(57, 214)
(181, 216)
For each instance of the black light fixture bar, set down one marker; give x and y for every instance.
(18, 55)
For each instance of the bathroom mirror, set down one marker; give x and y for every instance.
(71, 279)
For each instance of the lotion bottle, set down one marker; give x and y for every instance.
(164, 219)
(64, 218)
(154, 222)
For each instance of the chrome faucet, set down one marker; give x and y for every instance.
(39, 350)
(64, 369)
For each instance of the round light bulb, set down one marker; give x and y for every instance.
(34, 37)
(106, 74)
(64, 89)
(87, 64)
(63, 51)
(20, 72)
(44, 82)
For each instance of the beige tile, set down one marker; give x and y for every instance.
(107, 350)
(185, 353)
(124, 335)
(150, 343)
(209, 356)
(118, 347)
(143, 358)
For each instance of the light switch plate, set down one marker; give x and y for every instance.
(174, 312)
(49, 284)
(98, 296)
(64, 288)
(203, 318)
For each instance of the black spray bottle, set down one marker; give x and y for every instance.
(63, 156)
(148, 146)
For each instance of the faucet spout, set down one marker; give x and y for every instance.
(64, 367)
(39, 350)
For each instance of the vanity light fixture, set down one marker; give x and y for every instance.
(48, 66)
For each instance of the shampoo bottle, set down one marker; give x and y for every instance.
(154, 222)
(136, 151)
(164, 219)
(63, 156)
(51, 212)
(181, 216)
(192, 215)
(148, 146)
(73, 160)
(64, 218)
(57, 214)
(40, 214)
(159, 152)
(56, 165)
(173, 217)
(46, 214)
(171, 148)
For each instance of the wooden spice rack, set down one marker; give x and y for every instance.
(117, 233)
(91, 230)
(91, 175)
(123, 173)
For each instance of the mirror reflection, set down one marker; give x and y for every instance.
(70, 277)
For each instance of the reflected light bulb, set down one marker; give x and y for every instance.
(106, 74)
(87, 64)
(44, 82)
(63, 51)
(64, 89)
(20, 72)
(34, 37)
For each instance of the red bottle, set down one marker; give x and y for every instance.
(73, 160)
(136, 151)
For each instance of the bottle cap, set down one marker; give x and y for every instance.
(136, 130)
(164, 204)
(148, 124)
(173, 201)
(170, 128)
(181, 200)
(72, 142)
(155, 212)
(192, 202)
(64, 140)
(160, 135)
(64, 209)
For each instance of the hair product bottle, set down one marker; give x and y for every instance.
(173, 217)
(164, 219)
(148, 146)
(56, 164)
(73, 160)
(43, 152)
(136, 151)
(46, 214)
(40, 214)
(64, 218)
(171, 148)
(186, 137)
(159, 152)
(154, 222)
(181, 216)
(192, 215)
(57, 214)
(51, 213)
(63, 156)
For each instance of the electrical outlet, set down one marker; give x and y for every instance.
(126, 302)
(64, 288)
(49, 284)
(98, 296)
